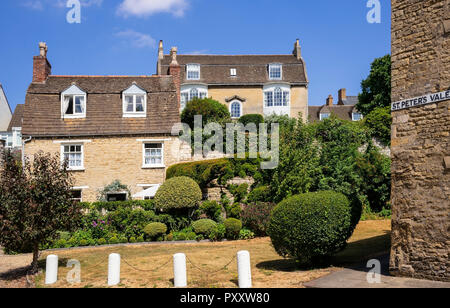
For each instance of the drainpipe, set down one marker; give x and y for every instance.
(23, 149)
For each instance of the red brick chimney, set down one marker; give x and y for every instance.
(342, 96)
(175, 71)
(41, 67)
(330, 101)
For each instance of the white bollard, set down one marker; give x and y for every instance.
(51, 269)
(179, 270)
(244, 270)
(113, 269)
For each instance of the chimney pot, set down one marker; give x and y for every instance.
(173, 54)
(297, 50)
(330, 100)
(41, 67)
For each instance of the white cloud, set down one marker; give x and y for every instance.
(144, 8)
(40, 4)
(137, 39)
(33, 5)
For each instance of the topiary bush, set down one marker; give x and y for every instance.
(204, 226)
(310, 226)
(211, 209)
(178, 193)
(154, 230)
(209, 109)
(233, 226)
(256, 217)
(251, 118)
(259, 194)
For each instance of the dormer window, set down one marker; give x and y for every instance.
(134, 102)
(73, 103)
(233, 72)
(193, 71)
(275, 71)
(324, 116)
(356, 116)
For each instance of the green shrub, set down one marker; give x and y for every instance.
(191, 236)
(233, 226)
(256, 217)
(204, 226)
(259, 194)
(246, 234)
(147, 205)
(169, 237)
(239, 192)
(252, 118)
(310, 226)
(154, 230)
(140, 239)
(203, 172)
(101, 241)
(180, 237)
(378, 122)
(84, 243)
(233, 211)
(61, 243)
(211, 209)
(219, 233)
(132, 239)
(209, 109)
(178, 193)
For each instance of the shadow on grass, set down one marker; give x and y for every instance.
(355, 253)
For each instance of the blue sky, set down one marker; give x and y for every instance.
(119, 37)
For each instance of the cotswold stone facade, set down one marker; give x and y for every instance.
(421, 140)
(106, 159)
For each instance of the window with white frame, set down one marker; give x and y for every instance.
(191, 92)
(275, 71)
(236, 110)
(153, 155)
(134, 102)
(233, 72)
(73, 154)
(193, 71)
(277, 97)
(73, 103)
(356, 116)
(324, 116)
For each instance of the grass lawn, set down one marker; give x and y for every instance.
(269, 270)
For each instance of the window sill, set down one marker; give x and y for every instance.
(131, 115)
(154, 167)
(73, 117)
(76, 169)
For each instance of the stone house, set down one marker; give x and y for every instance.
(107, 127)
(246, 84)
(345, 108)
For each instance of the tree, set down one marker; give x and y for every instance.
(35, 203)
(376, 89)
(209, 109)
(378, 123)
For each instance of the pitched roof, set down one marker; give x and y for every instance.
(343, 112)
(351, 100)
(250, 69)
(17, 117)
(104, 113)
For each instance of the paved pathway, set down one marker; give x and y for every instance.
(357, 278)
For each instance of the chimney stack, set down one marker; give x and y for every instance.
(175, 71)
(297, 50)
(160, 57)
(330, 101)
(342, 96)
(41, 67)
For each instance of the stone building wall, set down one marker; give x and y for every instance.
(421, 140)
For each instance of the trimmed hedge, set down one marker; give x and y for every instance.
(155, 229)
(203, 172)
(209, 109)
(233, 226)
(251, 118)
(178, 193)
(310, 226)
(204, 226)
